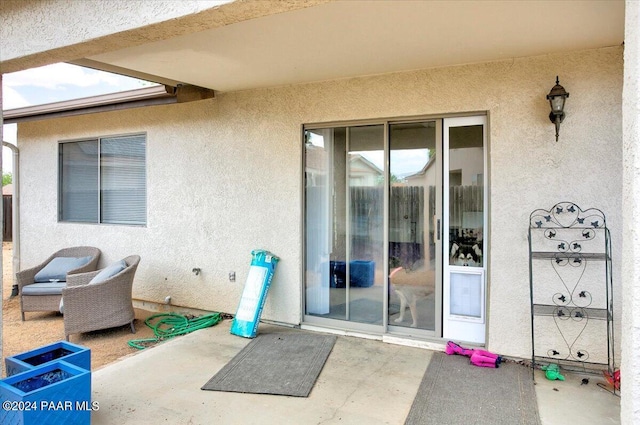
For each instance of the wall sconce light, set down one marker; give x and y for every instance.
(556, 98)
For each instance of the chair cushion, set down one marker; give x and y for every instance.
(109, 271)
(59, 267)
(44, 288)
(105, 274)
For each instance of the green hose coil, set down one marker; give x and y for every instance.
(167, 325)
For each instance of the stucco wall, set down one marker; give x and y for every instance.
(224, 175)
(630, 402)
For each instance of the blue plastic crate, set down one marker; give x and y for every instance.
(361, 273)
(62, 350)
(54, 393)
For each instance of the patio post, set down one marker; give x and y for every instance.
(1, 220)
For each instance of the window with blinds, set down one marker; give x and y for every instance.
(103, 180)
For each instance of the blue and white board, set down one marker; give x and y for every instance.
(263, 265)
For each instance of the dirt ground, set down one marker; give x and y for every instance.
(42, 328)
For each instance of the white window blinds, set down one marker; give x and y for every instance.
(123, 189)
(104, 180)
(79, 181)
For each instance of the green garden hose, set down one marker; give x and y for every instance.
(168, 325)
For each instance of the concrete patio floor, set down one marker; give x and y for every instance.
(363, 382)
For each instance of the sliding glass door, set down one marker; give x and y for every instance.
(345, 184)
(380, 226)
(414, 245)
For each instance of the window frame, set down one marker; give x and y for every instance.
(99, 165)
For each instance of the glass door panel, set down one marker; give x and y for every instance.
(413, 240)
(464, 278)
(344, 188)
(365, 209)
(319, 218)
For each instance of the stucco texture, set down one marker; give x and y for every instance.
(224, 176)
(630, 381)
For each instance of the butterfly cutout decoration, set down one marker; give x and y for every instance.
(571, 209)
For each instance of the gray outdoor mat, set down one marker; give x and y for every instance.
(453, 391)
(285, 363)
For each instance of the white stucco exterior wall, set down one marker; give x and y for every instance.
(630, 368)
(530, 170)
(224, 176)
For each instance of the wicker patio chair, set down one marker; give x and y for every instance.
(49, 300)
(94, 306)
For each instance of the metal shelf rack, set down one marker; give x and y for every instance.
(571, 289)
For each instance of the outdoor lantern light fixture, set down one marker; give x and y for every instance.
(557, 97)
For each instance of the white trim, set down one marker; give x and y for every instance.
(340, 332)
(463, 328)
(410, 342)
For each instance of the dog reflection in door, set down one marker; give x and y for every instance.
(410, 284)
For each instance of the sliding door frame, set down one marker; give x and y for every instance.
(377, 331)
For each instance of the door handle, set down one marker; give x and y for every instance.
(438, 228)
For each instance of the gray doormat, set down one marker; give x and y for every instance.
(285, 363)
(453, 391)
